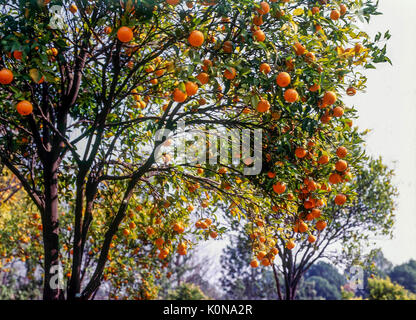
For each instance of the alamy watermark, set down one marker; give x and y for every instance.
(228, 147)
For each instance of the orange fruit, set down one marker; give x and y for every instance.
(265, 262)
(340, 199)
(173, 2)
(24, 108)
(191, 88)
(254, 263)
(213, 234)
(203, 77)
(265, 68)
(341, 165)
(230, 73)
(329, 98)
(320, 225)
(300, 152)
(342, 152)
(6, 76)
(227, 46)
(291, 95)
(335, 15)
(311, 238)
(316, 213)
(107, 30)
(351, 91)
(290, 244)
(303, 227)
(283, 79)
(179, 95)
(258, 20)
(338, 112)
(310, 57)
(271, 174)
(73, 8)
(315, 87)
(342, 9)
(264, 8)
(263, 105)
(324, 159)
(18, 54)
(315, 10)
(259, 35)
(279, 187)
(196, 38)
(299, 49)
(125, 34)
(335, 178)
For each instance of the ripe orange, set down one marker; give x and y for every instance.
(203, 77)
(343, 9)
(213, 234)
(324, 159)
(315, 10)
(24, 108)
(254, 263)
(299, 49)
(290, 244)
(227, 47)
(300, 152)
(341, 165)
(340, 199)
(316, 213)
(279, 187)
(265, 262)
(303, 227)
(107, 30)
(342, 152)
(283, 79)
(159, 242)
(291, 95)
(18, 54)
(265, 68)
(263, 106)
(73, 8)
(320, 225)
(196, 38)
(230, 73)
(6, 76)
(173, 2)
(351, 91)
(271, 175)
(338, 112)
(264, 8)
(310, 57)
(329, 98)
(335, 15)
(191, 88)
(335, 178)
(258, 20)
(259, 35)
(125, 34)
(179, 95)
(315, 87)
(311, 238)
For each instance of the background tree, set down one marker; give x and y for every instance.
(83, 101)
(384, 289)
(187, 291)
(405, 275)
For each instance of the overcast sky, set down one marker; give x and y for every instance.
(389, 109)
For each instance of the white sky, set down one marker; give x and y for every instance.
(389, 108)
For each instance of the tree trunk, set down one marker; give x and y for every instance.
(52, 288)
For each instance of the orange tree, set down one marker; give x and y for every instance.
(87, 87)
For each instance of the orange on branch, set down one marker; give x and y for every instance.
(125, 34)
(263, 106)
(341, 165)
(342, 152)
(191, 88)
(230, 73)
(196, 38)
(6, 76)
(279, 187)
(283, 79)
(265, 68)
(24, 108)
(329, 98)
(291, 95)
(300, 152)
(179, 96)
(340, 199)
